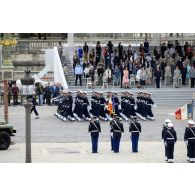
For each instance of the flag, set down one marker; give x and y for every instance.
(185, 112)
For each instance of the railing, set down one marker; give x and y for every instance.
(35, 46)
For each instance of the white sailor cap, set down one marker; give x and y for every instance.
(148, 93)
(170, 125)
(167, 121)
(191, 122)
(79, 91)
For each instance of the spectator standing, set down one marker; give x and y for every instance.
(116, 75)
(142, 77)
(98, 53)
(108, 75)
(120, 51)
(146, 46)
(86, 51)
(183, 74)
(100, 73)
(48, 94)
(126, 78)
(92, 75)
(75, 60)
(157, 76)
(168, 75)
(149, 75)
(80, 53)
(188, 69)
(78, 73)
(192, 75)
(177, 76)
(15, 92)
(92, 57)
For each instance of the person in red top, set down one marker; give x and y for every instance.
(15, 92)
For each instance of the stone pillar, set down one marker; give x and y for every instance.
(7, 66)
(68, 48)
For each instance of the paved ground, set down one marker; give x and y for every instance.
(49, 129)
(149, 152)
(57, 141)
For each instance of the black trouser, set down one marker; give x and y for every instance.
(35, 110)
(191, 148)
(192, 82)
(183, 79)
(157, 83)
(170, 151)
(78, 76)
(15, 98)
(48, 100)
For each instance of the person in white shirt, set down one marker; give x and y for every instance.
(108, 75)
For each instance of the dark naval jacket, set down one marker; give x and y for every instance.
(94, 128)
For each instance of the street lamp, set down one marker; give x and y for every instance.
(27, 90)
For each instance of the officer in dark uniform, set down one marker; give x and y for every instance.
(111, 134)
(165, 128)
(85, 106)
(189, 138)
(94, 130)
(102, 113)
(116, 130)
(170, 140)
(135, 130)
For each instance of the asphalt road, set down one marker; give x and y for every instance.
(49, 129)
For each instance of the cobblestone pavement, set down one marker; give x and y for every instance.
(149, 152)
(49, 129)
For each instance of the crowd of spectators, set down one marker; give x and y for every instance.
(169, 64)
(44, 93)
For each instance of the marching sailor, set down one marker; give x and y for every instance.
(149, 103)
(165, 128)
(135, 130)
(95, 104)
(170, 137)
(122, 109)
(132, 105)
(189, 138)
(94, 130)
(116, 131)
(85, 106)
(78, 109)
(70, 102)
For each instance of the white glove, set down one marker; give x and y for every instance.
(111, 134)
(119, 107)
(154, 106)
(135, 107)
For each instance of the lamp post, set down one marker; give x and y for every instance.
(27, 90)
